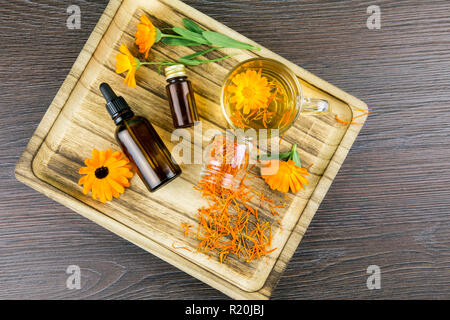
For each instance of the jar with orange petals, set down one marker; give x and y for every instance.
(225, 163)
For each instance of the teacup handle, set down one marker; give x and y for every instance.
(313, 105)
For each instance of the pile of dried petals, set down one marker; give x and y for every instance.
(230, 224)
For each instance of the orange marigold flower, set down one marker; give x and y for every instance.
(249, 90)
(145, 35)
(106, 174)
(126, 62)
(287, 176)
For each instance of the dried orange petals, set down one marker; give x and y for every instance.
(230, 224)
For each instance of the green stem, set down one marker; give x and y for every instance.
(163, 63)
(171, 36)
(200, 53)
(294, 149)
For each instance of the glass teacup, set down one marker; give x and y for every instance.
(264, 94)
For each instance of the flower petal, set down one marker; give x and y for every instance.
(86, 170)
(116, 186)
(101, 190)
(88, 184)
(107, 189)
(123, 64)
(95, 155)
(294, 185)
(95, 189)
(121, 180)
(130, 79)
(145, 19)
(124, 49)
(284, 186)
(114, 163)
(82, 180)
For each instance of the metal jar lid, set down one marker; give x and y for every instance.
(174, 71)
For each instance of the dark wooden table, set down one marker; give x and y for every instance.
(389, 205)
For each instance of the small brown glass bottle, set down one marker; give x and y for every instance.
(181, 97)
(140, 142)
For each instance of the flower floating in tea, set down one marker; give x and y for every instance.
(258, 100)
(106, 174)
(249, 91)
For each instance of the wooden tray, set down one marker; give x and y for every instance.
(76, 122)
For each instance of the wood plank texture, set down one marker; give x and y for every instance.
(406, 233)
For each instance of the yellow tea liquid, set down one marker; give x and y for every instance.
(277, 111)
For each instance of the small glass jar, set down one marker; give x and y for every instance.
(181, 97)
(226, 160)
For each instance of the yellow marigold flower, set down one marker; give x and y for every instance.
(126, 62)
(106, 174)
(249, 91)
(287, 176)
(145, 35)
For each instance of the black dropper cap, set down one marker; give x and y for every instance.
(117, 107)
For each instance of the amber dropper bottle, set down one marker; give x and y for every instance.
(181, 97)
(140, 142)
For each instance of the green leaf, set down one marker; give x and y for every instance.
(192, 26)
(221, 58)
(158, 35)
(196, 62)
(190, 62)
(179, 42)
(291, 154)
(189, 35)
(294, 156)
(296, 159)
(283, 156)
(196, 54)
(225, 41)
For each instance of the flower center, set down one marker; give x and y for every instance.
(248, 93)
(101, 172)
